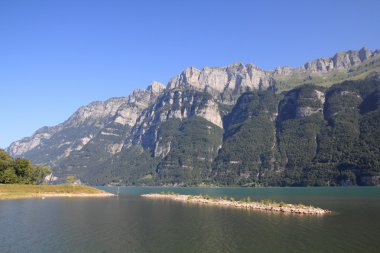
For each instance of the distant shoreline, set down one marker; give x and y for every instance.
(239, 186)
(270, 206)
(14, 191)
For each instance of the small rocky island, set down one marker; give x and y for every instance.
(247, 203)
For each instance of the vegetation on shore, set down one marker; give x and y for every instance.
(20, 170)
(14, 191)
(20, 179)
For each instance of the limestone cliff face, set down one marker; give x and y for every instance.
(195, 108)
(139, 100)
(95, 113)
(341, 61)
(50, 144)
(22, 146)
(317, 100)
(73, 134)
(224, 83)
(109, 141)
(173, 105)
(302, 103)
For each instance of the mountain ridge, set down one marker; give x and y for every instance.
(194, 100)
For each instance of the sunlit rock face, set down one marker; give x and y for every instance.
(341, 61)
(153, 130)
(224, 83)
(50, 144)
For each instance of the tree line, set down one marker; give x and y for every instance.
(20, 170)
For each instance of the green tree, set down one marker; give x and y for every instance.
(70, 179)
(6, 160)
(9, 176)
(23, 169)
(39, 173)
(20, 170)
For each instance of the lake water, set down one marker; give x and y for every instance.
(129, 223)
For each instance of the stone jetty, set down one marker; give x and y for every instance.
(262, 206)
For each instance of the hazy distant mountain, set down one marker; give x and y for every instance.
(228, 125)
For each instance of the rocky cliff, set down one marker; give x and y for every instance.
(219, 124)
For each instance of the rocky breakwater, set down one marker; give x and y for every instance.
(265, 205)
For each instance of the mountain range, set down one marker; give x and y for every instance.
(316, 124)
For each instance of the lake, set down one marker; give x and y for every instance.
(129, 223)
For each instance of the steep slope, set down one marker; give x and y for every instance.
(350, 65)
(299, 122)
(226, 84)
(182, 132)
(50, 144)
(226, 125)
(110, 139)
(249, 140)
(323, 137)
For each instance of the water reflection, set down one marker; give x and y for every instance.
(130, 223)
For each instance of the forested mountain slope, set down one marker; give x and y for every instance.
(234, 125)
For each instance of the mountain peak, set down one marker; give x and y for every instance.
(365, 53)
(224, 84)
(236, 65)
(156, 87)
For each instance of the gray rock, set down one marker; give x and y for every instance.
(114, 125)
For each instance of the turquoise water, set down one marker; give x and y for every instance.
(129, 223)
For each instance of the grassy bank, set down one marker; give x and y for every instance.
(16, 191)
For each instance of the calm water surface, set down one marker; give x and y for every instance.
(129, 223)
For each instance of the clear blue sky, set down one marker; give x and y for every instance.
(58, 55)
